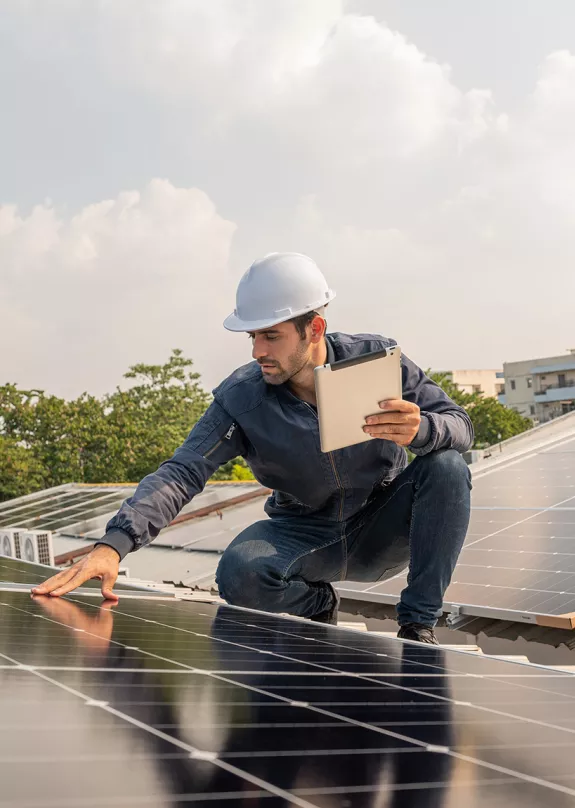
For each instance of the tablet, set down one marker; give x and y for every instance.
(350, 390)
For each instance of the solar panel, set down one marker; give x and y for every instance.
(162, 702)
(26, 574)
(30, 513)
(518, 560)
(85, 510)
(214, 532)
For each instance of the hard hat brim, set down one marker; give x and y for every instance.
(235, 323)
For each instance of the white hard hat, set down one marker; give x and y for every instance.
(275, 289)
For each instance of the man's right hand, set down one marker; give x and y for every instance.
(103, 562)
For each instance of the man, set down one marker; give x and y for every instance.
(360, 513)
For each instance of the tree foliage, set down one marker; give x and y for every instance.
(151, 418)
(492, 421)
(121, 437)
(47, 441)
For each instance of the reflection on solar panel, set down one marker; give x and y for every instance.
(518, 561)
(162, 702)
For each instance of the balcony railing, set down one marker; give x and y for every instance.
(566, 384)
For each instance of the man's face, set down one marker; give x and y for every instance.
(280, 352)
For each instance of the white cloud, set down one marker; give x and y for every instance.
(440, 218)
(123, 280)
(225, 53)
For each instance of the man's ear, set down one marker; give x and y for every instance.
(318, 327)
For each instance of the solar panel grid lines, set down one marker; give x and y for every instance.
(490, 774)
(537, 455)
(507, 524)
(332, 671)
(54, 512)
(170, 739)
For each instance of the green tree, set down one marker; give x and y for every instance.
(20, 471)
(235, 469)
(67, 439)
(492, 421)
(149, 420)
(47, 441)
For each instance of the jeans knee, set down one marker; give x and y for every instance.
(243, 579)
(449, 467)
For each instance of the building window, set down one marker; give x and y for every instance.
(512, 383)
(476, 388)
(529, 382)
(532, 409)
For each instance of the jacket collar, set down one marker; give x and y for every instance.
(330, 350)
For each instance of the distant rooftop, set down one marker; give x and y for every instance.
(544, 435)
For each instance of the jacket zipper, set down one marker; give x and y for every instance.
(335, 471)
(214, 447)
(227, 436)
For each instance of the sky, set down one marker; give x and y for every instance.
(150, 151)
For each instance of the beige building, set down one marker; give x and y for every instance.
(541, 389)
(488, 382)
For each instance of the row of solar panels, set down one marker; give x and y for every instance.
(79, 510)
(518, 560)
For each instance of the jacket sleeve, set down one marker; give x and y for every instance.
(444, 424)
(160, 496)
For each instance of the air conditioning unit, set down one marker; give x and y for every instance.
(36, 547)
(10, 543)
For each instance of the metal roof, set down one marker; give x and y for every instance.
(558, 368)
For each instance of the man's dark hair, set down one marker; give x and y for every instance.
(301, 323)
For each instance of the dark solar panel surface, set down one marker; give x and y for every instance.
(168, 703)
(519, 554)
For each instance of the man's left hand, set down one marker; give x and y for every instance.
(399, 422)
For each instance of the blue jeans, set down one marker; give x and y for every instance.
(419, 520)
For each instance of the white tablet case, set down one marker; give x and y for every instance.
(350, 390)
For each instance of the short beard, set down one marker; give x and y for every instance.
(295, 364)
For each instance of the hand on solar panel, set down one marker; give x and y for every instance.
(103, 562)
(399, 422)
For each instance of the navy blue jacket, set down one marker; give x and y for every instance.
(277, 434)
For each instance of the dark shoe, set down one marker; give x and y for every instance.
(417, 632)
(328, 616)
